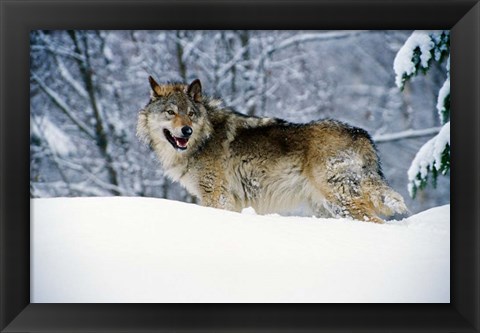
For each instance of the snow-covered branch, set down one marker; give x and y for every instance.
(443, 101)
(65, 73)
(57, 51)
(189, 46)
(408, 134)
(55, 98)
(56, 139)
(92, 177)
(417, 52)
(309, 37)
(225, 68)
(416, 55)
(433, 157)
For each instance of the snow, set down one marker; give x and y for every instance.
(403, 64)
(58, 141)
(107, 52)
(443, 93)
(429, 156)
(130, 249)
(442, 140)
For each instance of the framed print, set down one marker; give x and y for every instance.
(50, 295)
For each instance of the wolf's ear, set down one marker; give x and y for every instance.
(195, 90)
(156, 90)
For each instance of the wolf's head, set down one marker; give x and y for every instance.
(174, 118)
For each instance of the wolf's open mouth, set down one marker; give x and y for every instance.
(177, 143)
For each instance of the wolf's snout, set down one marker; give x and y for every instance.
(187, 131)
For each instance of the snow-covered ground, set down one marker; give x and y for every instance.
(153, 250)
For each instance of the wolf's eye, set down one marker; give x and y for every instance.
(171, 112)
(191, 114)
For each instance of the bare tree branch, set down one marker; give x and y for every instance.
(408, 134)
(55, 98)
(302, 38)
(57, 51)
(65, 73)
(92, 177)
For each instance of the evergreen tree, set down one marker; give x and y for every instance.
(416, 56)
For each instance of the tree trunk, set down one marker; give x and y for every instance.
(100, 134)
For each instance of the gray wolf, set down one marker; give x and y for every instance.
(232, 161)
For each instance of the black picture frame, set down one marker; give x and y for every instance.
(18, 17)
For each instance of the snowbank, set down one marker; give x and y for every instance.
(153, 250)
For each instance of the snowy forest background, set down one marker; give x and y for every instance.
(86, 88)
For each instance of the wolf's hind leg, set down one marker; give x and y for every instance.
(384, 199)
(345, 198)
(340, 181)
(361, 209)
(352, 208)
(390, 203)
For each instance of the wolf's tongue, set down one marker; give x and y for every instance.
(181, 142)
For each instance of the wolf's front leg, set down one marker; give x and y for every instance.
(214, 193)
